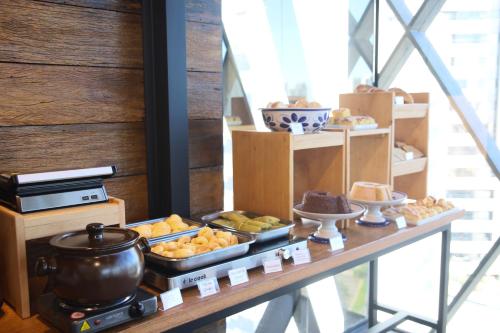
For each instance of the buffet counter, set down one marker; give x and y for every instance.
(363, 245)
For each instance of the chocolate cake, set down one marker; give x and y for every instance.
(324, 203)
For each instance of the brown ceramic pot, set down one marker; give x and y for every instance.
(95, 268)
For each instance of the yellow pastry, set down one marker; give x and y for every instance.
(170, 246)
(157, 249)
(183, 253)
(160, 229)
(200, 240)
(340, 113)
(144, 230)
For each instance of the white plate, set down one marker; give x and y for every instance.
(398, 197)
(356, 211)
(354, 128)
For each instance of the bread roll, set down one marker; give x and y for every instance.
(362, 88)
(400, 92)
(160, 229)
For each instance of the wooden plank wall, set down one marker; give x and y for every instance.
(204, 63)
(71, 80)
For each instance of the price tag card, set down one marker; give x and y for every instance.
(296, 128)
(399, 100)
(400, 222)
(301, 256)
(272, 265)
(171, 298)
(409, 155)
(336, 243)
(238, 276)
(208, 287)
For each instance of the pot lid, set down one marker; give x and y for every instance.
(95, 238)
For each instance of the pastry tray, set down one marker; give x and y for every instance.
(200, 260)
(167, 237)
(262, 236)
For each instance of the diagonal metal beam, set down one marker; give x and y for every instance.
(420, 22)
(469, 285)
(389, 324)
(361, 33)
(485, 142)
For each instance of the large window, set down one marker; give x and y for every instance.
(281, 49)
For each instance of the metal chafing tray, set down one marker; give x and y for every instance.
(263, 236)
(172, 235)
(199, 260)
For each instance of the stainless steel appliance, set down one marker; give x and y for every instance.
(165, 279)
(74, 320)
(32, 192)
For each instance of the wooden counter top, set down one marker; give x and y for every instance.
(362, 242)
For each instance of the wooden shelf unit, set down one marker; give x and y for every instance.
(16, 229)
(409, 123)
(405, 111)
(369, 152)
(411, 176)
(272, 170)
(409, 167)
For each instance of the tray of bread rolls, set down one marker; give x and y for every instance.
(165, 227)
(198, 248)
(262, 227)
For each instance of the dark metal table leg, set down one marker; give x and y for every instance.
(443, 280)
(372, 293)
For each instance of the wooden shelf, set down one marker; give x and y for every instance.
(317, 140)
(272, 170)
(375, 131)
(409, 167)
(406, 111)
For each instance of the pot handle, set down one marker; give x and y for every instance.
(44, 267)
(144, 245)
(95, 231)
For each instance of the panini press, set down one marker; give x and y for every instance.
(33, 192)
(80, 320)
(164, 279)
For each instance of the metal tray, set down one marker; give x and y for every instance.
(172, 235)
(263, 236)
(204, 259)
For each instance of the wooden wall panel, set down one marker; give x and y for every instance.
(205, 11)
(206, 187)
(203, 47)
(134, 190)
(128, 6)
(40, 32)
(204, 64)
(46, 94)
(204, 95)
(43, 148)
(205, 143)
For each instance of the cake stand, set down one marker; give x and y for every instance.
(328, 229)
(373, 216)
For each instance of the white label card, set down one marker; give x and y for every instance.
(171, 298)
(399, 100)
(208, 287)
(297, 128)
(238, 276)
(301, 256)
(409, 155)
(400, 222)
(336, 243)
(272, 265)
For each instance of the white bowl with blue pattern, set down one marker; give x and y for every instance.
(312, 120)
